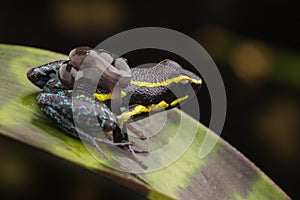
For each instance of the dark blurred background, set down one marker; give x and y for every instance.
(255, 44)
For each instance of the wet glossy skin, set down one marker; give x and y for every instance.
(143, 90)
(56, 79)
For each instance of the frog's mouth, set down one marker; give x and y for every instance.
(191, 83)
(185, 87)
(196, 84)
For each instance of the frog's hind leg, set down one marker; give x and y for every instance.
(121, 139)
(120, 136)
(58, 112)
(58, 108)
(50, 106)
(133, 152)
(129, 116)
(136, 131)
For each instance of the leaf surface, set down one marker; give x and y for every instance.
(223, 174)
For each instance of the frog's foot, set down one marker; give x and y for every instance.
(96, 140)
(137, 150)
(137, 132)
(119, 144)
(123, 145)
(135, 158)
(108, 136)
(95, 144)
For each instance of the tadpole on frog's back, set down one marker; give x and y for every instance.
(57, 79)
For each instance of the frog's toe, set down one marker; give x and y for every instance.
(137, 150)
(137, 132)
(140, 150)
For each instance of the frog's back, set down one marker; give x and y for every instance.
(164, 82)
(163, 71)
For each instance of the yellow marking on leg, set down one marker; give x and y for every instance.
(102, 97)
(125, 116)
(177, 101)
(160, 106)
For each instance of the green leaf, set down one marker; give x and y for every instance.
(223, 174)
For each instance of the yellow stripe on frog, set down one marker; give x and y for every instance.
(125, 116)
(177, 101)
(167, 82)
(104, 97)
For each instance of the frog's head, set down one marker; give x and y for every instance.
(184, 83)
(113, 69)
(165, 82)
(178, 79)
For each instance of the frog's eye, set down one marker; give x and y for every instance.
(67, 74)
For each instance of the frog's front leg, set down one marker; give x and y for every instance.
(136, 112)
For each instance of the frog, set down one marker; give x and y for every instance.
(141, 91)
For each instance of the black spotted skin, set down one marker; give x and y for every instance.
(165, 70)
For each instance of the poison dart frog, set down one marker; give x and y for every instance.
(141, 91)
